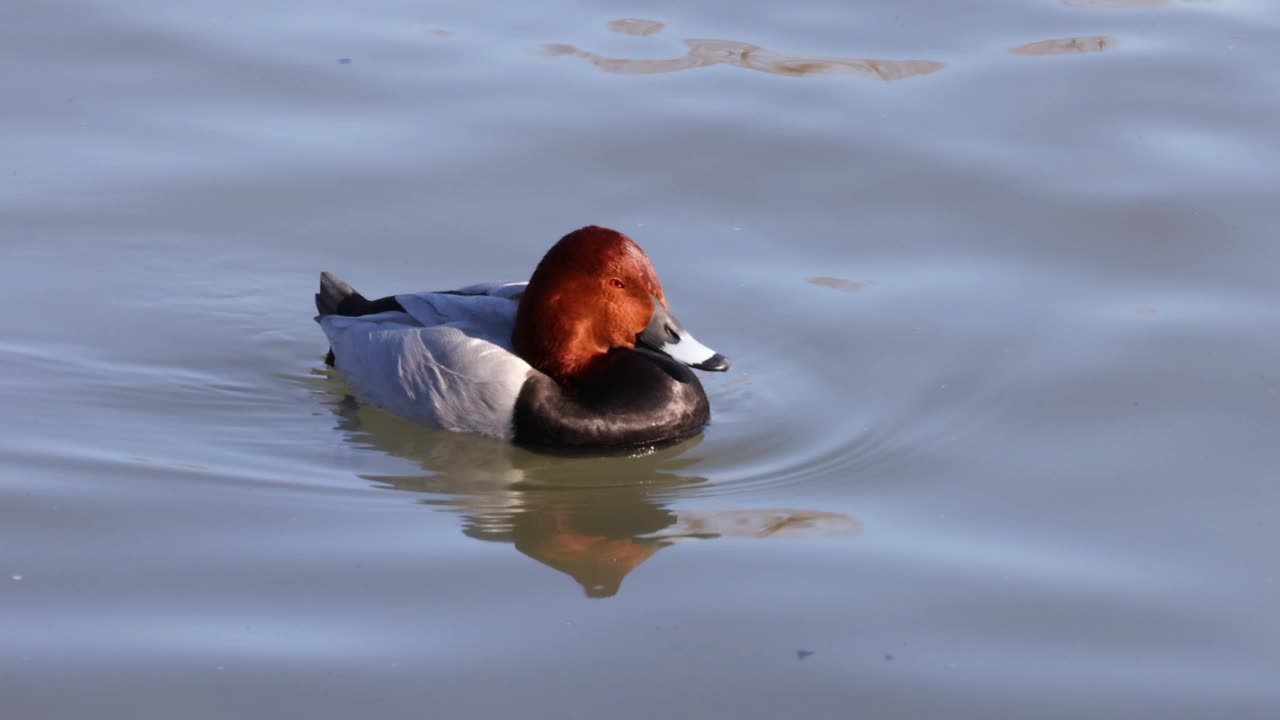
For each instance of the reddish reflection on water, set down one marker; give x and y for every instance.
(636, 26)
(593, 547)
(1066, 46)
(1118, 4)
(836, 283)
(1130, 4)
(708, 52)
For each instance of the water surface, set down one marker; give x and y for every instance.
(998, 281)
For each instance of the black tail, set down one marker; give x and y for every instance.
(338, 298)
(334, 294)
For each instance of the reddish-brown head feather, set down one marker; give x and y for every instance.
(573, 311)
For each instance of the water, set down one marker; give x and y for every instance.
(998, 281)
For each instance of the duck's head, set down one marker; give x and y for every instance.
(595, 290)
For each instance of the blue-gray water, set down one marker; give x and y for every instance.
(999, 280)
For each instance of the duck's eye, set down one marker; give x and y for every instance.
(617, 283)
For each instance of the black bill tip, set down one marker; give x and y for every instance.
(715, 363)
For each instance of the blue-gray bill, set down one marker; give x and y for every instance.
(665, 335)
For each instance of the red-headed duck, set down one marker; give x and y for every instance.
(584, 354)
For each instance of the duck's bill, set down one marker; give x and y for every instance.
(665, 335)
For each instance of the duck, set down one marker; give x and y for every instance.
(584, 354)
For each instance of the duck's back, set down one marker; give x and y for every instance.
(440, 359)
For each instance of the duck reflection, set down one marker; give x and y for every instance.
(593, 518)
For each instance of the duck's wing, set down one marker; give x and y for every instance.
(445, 361)
(510, 290)
(491, 313)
